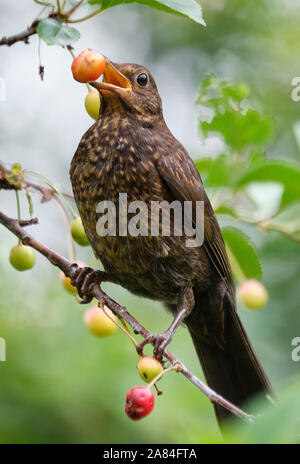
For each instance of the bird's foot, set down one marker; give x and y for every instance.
(160, 341)
(84, 278)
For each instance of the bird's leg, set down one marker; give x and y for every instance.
(185, 305)
(85, 277)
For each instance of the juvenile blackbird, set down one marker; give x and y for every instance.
(130, 149)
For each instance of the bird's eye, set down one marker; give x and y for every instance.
(142, 79)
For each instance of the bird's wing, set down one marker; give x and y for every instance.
(182, 178)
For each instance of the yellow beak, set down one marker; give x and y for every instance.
(113, 81)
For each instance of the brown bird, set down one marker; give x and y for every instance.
(130, 150)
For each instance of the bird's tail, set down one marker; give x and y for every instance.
(232, 370)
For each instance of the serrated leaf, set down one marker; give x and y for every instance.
(215, 92)
(55, 33)
(242, 254)
(188, 8)
(241, 130)
(285, 173)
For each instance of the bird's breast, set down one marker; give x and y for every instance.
(116, 159)
(108, 165)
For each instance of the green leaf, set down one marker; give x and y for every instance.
(222, 172)
(238, 92)
(288, 221)
(240, 127)
(242, 254)
(276, 423)
(286, 173)
(241, 130)
(55, 33)
(223, 209)
(188, 8)
(214, 92)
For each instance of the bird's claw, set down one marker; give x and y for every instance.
(84, 278)
(160, 341)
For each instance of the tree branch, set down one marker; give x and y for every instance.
(47, 192)
(67, 267)
(31, 30)
(21, 36)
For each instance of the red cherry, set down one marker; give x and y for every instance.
(139, 402)
(88, 66)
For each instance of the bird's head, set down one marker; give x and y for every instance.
(131, 87)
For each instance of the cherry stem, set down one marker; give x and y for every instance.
(86, 17)
(18, 212)
(236, 268)
(40, 2)
(70, 49)
(176, 367)
(125, 330)
(158, 391)
(44, 179)
(128, 333)
(62, 207)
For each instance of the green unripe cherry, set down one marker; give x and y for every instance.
(149, 368)
(22, 257)
(78, 233)
(92, 103)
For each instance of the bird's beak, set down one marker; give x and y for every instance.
(113, 81)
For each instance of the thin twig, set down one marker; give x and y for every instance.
(69, 270)
(41, 67)
(58, 6)
(28, 222)
(71, 11)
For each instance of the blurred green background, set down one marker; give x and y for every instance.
(59, 383)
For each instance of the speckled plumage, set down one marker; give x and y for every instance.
(130, 149)
(121, 153)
